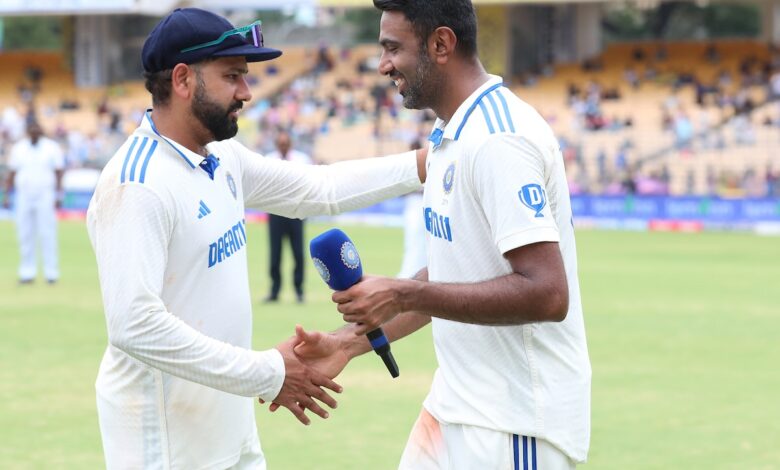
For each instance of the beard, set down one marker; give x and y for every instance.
(425, 88)
(214, 117)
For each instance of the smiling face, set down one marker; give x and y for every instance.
(220, 92)
(406, 61)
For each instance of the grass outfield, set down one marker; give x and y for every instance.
(683, 334)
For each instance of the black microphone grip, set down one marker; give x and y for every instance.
(338, 263)
(382, 347)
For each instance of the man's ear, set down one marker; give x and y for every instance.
(441, 44)
(183, 81)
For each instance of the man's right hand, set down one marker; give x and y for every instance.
(302, 384)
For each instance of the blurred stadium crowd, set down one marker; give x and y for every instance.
(647, 118)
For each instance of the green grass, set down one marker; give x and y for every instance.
(682, 329)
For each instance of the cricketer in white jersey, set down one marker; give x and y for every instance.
(504, 395)
(496, 182)
(175, 384)
(512, 389)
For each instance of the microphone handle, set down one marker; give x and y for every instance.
(381, 346)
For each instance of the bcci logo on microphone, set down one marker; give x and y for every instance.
(322, 269)
(349, 255)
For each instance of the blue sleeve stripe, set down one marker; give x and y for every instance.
(137, 157)
(495, 111)
(515, 452)
(378, 342)
(533, 453)
(487, 117)
(472, 107)
(506, 111)
(127, 159)
(146, 161)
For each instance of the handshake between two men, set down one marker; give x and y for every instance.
(313, 359)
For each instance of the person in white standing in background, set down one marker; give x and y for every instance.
(280, 227)
(36, 165)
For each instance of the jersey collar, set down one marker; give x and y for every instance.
(452, 130)
(192, 158)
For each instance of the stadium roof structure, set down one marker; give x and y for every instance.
(368, 3)
(160, 7)
(259, 4)
(85, 7)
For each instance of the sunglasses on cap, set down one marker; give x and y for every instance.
(252, 33)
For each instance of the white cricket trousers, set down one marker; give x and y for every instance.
(434, 445)
(36, 222)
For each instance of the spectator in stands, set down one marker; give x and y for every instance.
(711, 54)
(631, 77)
(683, 131)
(690, 182)
(627, 182)
(711, 180)
(36, 165)
(742, 124)
(601, 165)
(280, 227)
(324, 60)
(753, 184)
(621, 158)
(774, 85)
(638, 54)
(661, 53)
(772, 179)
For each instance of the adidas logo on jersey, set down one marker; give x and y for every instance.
(204, 210)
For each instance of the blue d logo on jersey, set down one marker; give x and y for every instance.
(533, 197)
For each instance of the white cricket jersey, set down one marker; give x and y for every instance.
(175, 382)
(496, 182)
(35, 165)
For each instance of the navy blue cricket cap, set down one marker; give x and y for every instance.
(188, 28)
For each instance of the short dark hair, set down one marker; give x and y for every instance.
(159, 85)
(427, 15)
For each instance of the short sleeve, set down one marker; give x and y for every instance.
(509, 175)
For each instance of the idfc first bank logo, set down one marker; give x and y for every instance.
(533, 197)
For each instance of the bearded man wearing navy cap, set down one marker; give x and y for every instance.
(177, 381)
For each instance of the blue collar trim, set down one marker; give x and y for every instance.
(148, 116)
(436, 137)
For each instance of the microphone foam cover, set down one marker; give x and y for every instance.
(336, 259)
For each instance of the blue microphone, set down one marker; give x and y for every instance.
(338, 263)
